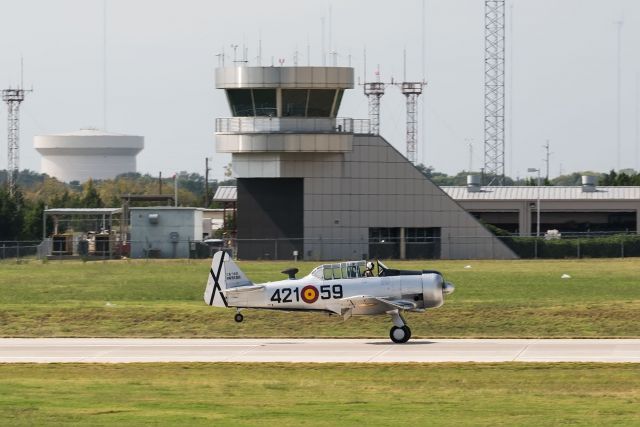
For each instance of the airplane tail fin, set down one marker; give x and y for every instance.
(224, 274)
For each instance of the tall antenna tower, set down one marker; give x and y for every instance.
(13, 98)
(412, 90)
(494, 107)
(374, 91)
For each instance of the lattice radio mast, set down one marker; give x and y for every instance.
(374, 91)
(494, 76)
(411, 90)
(13, 98)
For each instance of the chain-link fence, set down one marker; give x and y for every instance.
(579, 245)
(14, 249)
(549, 247)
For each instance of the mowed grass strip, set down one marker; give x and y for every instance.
(320, 394)
(164, 299)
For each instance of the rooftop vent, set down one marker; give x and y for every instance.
(588, 183)
(473, 184)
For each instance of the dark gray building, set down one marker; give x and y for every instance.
(326, 187)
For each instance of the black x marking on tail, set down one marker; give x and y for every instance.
(216, 284)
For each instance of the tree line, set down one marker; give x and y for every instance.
(21, 213)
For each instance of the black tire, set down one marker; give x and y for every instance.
(399, 335)
(238, 317)
(407, 329)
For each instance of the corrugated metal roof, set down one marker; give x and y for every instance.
(546, 193)
(226, 194)
(83, 211)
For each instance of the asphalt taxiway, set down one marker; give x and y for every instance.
(128, 350)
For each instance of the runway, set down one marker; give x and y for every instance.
(128, 350)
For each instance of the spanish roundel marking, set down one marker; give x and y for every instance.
(309, 294)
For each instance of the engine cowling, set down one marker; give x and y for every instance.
(434, 288)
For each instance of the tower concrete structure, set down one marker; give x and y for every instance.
(88, 153)
(318, 186)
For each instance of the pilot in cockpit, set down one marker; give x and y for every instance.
(369, 270)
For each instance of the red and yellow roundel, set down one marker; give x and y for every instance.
(309, 294)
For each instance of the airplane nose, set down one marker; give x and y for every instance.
(448, 288)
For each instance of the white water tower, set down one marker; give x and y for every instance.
(88, 153)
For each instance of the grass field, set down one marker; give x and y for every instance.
(164, 299)
(320, 394)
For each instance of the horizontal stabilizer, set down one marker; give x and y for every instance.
(240, 289)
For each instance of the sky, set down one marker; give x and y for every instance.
(161, 55)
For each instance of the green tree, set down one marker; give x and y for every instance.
(90, 197)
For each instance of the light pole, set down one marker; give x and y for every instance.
(538, 201)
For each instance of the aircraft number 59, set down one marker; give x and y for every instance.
(293, 294)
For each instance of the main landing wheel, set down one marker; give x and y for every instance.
(400, 335)
(238, 317)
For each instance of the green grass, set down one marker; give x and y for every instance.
(164, 299)
(321, 394)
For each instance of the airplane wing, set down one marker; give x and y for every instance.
(346, 305)
(239, 289)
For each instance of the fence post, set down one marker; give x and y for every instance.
(276, 249)
(17, 251)
(535, 248)
(622, 247)
(578, 248)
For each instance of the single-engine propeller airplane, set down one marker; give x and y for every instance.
(345, 288)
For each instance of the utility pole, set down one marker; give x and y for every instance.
(548, 154)
(206, 182)
(619, 25)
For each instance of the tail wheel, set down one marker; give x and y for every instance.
(400, 335)
(238, 317)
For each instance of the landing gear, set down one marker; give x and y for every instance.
(238, 317)
(400, 335)
(400, 332)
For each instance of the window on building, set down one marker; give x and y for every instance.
(241, 102)
(265, 102)
(320, 102)
(294, 102)
(422, 235)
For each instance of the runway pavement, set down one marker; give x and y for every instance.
(121, 350)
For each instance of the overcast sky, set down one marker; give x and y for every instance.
(161, 57)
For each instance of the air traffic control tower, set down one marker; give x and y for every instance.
(325, 187)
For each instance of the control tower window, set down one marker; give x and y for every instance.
(320, 102)
(265, 102)
(241, 102)
(294, 102)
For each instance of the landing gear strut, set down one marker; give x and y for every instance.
(400, 332)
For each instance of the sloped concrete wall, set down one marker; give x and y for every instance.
(371, 186)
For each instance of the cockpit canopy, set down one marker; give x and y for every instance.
(343, 270)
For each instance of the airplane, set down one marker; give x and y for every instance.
(345, 288)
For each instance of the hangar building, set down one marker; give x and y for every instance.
(569, 209)
(324, 187)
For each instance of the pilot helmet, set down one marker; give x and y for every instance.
(369, 265)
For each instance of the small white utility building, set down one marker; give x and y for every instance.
(87, 153)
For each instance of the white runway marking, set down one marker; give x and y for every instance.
(126, 350)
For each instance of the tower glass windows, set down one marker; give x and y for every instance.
(265, 102)
(294, 102)
(320, 102)
(241, 102)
